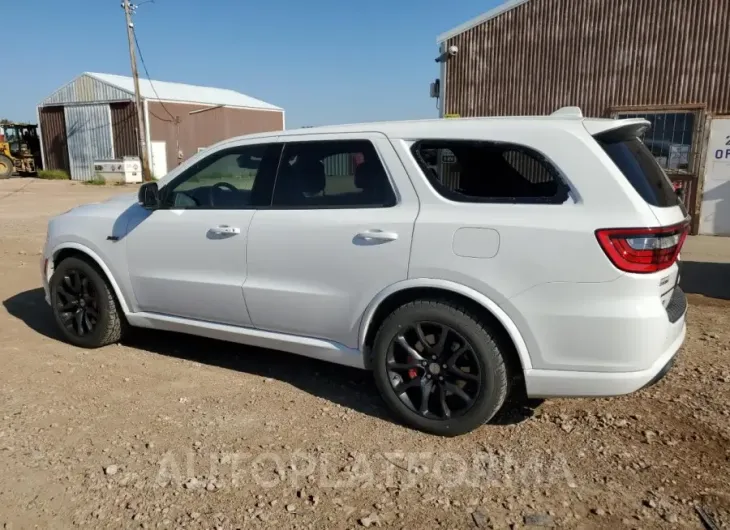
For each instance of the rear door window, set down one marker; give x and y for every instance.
(332, 174)
(641, 169)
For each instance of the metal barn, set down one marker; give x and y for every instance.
(665, 60)
(93, 118)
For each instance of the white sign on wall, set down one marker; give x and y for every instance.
(715, 212)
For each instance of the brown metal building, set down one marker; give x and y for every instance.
(665, 60)
(94, 118)
(185, 128)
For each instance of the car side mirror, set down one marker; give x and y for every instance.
(149, 196)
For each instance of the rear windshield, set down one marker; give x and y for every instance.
(641, 169)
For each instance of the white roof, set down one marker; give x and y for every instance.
(156, 90)
(430, 128)
(481, 19)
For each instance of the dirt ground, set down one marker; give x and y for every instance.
(171, 431)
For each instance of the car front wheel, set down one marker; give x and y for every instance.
(439, 368)
(84, 305)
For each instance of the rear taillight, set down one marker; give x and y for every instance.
(643, 250)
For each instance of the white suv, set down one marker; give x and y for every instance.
(462, 261)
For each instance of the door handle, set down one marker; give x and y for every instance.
(378, 235)
(225, 230)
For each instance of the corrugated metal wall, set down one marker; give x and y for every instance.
(53, 133)
(86, 89)
(603, 56)
(89, 131)
(124, 126)
(203, 129)
(595, 54)
(74, 135)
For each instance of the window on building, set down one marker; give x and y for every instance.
(670, 138)
(332, 174)
(477, 171)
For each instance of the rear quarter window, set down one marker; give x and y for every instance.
(481, 171)
(641, 169)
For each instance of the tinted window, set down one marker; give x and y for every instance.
(641, 169)
(475, 171)
(338, 174)
(235, 178)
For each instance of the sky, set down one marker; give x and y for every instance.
(323, 61)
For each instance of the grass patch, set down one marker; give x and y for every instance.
(53, 174)
(96, 181)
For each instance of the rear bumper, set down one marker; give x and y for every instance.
(658, 377)
(604, 383)
(564, 383)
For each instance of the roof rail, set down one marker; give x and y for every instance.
(568, 112)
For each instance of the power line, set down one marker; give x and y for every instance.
(149, 78)
(160, 117)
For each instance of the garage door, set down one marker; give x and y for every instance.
(89, 131)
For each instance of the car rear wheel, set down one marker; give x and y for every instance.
(84, 305)
(439, 368)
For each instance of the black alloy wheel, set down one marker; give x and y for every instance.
(84, 305)
(439, 367)
(433, 370)
(77, 303)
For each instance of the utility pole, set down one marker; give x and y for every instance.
(141, 131)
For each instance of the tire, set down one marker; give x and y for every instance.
(6, 167)
(484, 354)
(107, 319)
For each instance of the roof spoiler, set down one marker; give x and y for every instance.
(568, 112)
(617, 128)
(606, 127)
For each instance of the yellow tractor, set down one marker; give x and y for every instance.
(20, 149)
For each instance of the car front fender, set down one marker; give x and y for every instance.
(91, 253)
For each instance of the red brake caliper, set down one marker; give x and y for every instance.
(412, 373)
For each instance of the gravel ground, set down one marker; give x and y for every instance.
(171, 431)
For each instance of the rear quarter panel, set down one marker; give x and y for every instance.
(535, 244)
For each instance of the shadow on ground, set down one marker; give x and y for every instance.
(348, 387)
(31, 308)
(707, 279)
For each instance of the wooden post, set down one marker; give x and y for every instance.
(141, 131)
